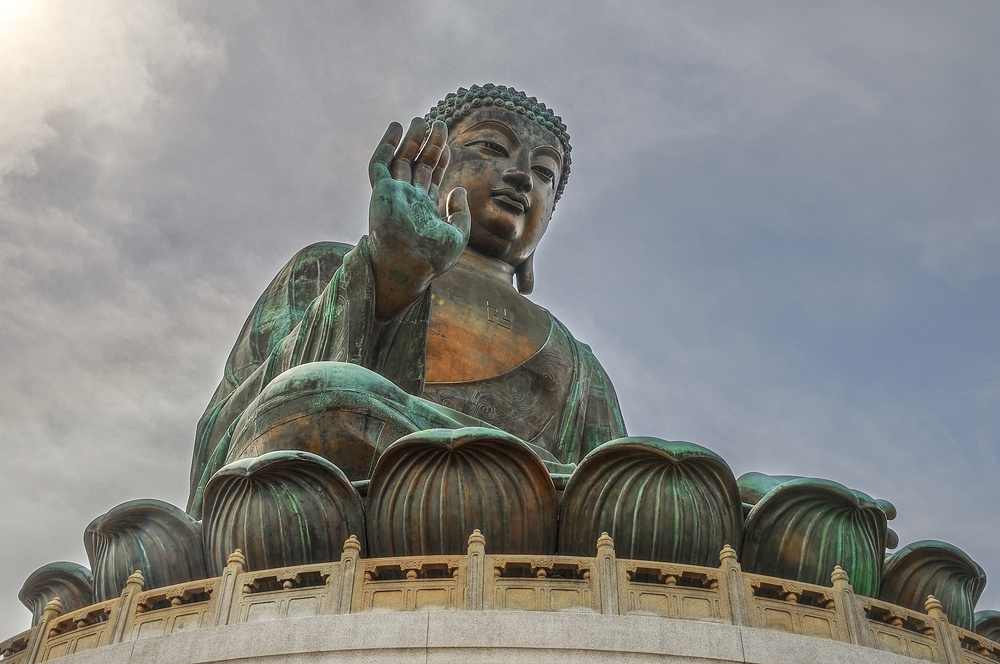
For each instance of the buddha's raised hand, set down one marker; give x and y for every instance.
(411, 243)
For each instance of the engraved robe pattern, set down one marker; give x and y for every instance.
(320, 307)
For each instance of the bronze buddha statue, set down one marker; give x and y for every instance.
(402, 392)
(420, 326)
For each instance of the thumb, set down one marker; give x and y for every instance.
(458, 211)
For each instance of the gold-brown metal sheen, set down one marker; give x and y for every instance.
(281, 509)
(150, 536)
(432, 488)
(935, 568)
(659, 500)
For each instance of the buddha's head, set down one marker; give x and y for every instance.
(512, 155)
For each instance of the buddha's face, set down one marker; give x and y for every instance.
(510, 166)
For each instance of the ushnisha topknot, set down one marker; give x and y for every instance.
(458, 104)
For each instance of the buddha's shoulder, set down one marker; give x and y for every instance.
(559, 330)
(307, 273)
(321, 257)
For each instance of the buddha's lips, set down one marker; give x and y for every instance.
(512, 199)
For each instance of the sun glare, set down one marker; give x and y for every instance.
(11, 10)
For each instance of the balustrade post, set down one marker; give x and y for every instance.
(348, 574)
(40, 636)
(943, 632)
(475, 575)
(607, 576)
(122, 614)
(733, 589)
(330, 603)
(849, 610)
(227, 596)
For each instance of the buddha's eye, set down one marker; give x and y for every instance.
(544, 173)
(492, 146)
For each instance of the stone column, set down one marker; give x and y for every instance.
(475, 574)
(227, 595)
(607, 576)
(40, 636)
(733, 589)
(851, 613)
(123, 613)
(943, 632)
(348, 574)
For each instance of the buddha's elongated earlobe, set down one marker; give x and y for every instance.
(525, 273)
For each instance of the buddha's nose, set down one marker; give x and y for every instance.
(519, 178)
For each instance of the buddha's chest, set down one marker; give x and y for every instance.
(479, 328)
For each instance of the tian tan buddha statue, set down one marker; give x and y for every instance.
(419, 326)
(404, 392)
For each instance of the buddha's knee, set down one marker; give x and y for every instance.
(342, 412)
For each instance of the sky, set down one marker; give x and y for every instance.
(781, 236)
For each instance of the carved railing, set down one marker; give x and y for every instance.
(478, 581)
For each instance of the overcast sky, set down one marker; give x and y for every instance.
(781, 236)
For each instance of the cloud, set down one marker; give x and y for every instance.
(105, 68)
(780, 235)
(88, 415)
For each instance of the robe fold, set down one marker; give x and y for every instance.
(320, 308)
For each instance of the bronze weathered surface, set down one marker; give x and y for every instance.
(403, 392)
(432, 488)
(419, 326)
(659, 500)
(71, 583)
(426, 301)
(754, 486)
(309, 408)
(988, 624)
(802, 528)
(929, 567)
(150, 536)
(281, 509)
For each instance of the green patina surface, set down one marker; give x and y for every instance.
(930, 567)
(802, 528)
(659, 500)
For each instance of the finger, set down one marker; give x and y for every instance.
(439, 170)
(378, 167)
(458, 211)
(430, 153)
(408, 149)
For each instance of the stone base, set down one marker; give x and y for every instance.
(481, 637)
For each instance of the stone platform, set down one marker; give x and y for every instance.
(481, 607)
(483, 637)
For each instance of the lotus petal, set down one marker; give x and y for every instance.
(151, 536)
(754, 486)
(802, 528)
(282, 509)
(431, 489)
(988, 625)
(659, 500)
(71, 583)
(929, 567)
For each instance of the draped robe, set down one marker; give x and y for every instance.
(319, 311)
